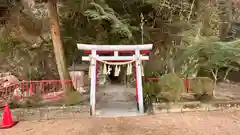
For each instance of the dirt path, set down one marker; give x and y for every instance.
(205, 123)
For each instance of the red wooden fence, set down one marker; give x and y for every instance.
(49, 89)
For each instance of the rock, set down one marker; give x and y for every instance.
(8, 80)
(17, 93)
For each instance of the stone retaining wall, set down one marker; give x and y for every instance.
(45, 113)
(195, 106)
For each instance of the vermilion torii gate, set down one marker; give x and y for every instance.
(137, 52)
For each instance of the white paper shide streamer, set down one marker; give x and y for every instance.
(129, 69)
(105, 70)
(117, 70)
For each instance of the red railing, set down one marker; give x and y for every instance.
(49, 89)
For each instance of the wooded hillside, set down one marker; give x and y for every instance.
(174, 27)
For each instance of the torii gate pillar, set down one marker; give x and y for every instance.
(94, 57)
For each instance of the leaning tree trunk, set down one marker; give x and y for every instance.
(58, 46)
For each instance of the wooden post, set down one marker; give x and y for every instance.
(136, 83)
(93, 83)
(115, 53)
(139, 82)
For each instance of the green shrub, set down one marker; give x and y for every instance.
(34, 100)
(150, 91)
(72, 98)
(14, 103)
(171, 86)
(31, 101)
(202, 87)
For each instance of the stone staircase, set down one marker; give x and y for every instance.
(116, 100)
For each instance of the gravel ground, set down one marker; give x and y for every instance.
(197, 123)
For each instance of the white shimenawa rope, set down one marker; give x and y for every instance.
(117, 65)
(118, 68)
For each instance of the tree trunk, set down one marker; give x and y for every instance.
(58, 46)
(226, 17)
(215, 75)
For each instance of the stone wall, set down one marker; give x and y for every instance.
(45, 113)
(194, 106)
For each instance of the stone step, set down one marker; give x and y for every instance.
(116, 100)
(127, 105)
(110, 112)
(117, 109)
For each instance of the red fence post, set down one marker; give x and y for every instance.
(30, 88)
(186, 84)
